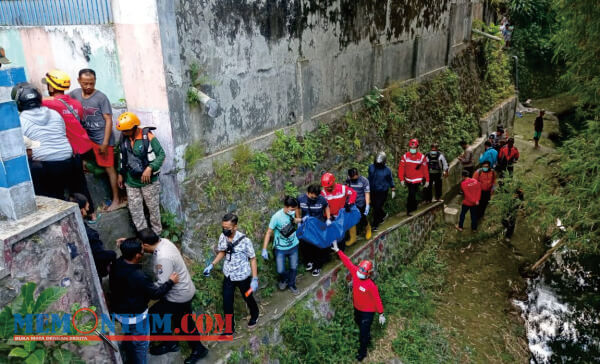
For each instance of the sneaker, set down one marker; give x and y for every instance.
(282, 286)
(252, 324)
(309, 266)
(316, 272)
(294, 290)
(164, 348)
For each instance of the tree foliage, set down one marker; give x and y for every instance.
(577, 40)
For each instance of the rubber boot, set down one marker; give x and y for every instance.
(368, 233)
(352, 239)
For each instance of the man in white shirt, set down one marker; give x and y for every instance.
(167, 259)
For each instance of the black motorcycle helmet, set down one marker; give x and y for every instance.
(26, 96)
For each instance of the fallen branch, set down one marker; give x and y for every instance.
(546, 256)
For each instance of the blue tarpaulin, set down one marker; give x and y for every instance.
(319, 234)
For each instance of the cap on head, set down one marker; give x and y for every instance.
(381, 157)
(3, 59)
(365, 267)
(127, 121)
(413, 143)
(327, 180)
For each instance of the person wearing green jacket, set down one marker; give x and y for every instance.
(141, 157)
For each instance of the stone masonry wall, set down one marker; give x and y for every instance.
(50, 248)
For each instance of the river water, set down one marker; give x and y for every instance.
(562, 308)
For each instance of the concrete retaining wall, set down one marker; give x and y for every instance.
(276, 64)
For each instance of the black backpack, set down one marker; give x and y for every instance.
(136, 165)
(434, 161)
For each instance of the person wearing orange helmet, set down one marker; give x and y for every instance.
(412, 172)
(338, 196)
(366, 299)
(141, 158)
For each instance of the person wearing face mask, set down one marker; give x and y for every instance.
(487, 178)
(366, 299)
(312, 204)
(239, 268)
(338, 196)
(363, 202)
(380, 182)
(412, 171)
(438, 168)
(285, 243)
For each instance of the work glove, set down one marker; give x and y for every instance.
(265, 254)
(394, 192)
(207, 270)
(381, 319)
(334, 246)
(426, 184)
(328, 222)
(402, 183)
(348, 207)
(254, 284)
(368, 208)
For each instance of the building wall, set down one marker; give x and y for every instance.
(275, 64)
(69, 48)
(127, 58)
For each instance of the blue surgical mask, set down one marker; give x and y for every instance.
(485, 169)
(360, 275)
(413, 150)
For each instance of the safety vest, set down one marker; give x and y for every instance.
(134, 164)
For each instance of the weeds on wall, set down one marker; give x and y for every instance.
(406, 290)
(445, 109)
(33, 352)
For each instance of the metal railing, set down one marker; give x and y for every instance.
(54, 12)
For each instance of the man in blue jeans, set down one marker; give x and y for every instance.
(131, 290)
(285, 243)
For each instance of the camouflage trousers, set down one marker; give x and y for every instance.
(150, 196)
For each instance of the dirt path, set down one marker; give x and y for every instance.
(475, 308)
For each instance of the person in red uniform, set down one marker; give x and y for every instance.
(71, 111)
(338, 196)
(412, 171)
(487, 178)
(507, 157)
(365, 297)
(471, 189)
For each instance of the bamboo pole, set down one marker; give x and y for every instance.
(547, 255)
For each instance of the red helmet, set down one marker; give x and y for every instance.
(327, 180)
(413, 143)
(365, 267)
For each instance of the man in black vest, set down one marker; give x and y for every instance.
(438, 168)
(141, 159)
